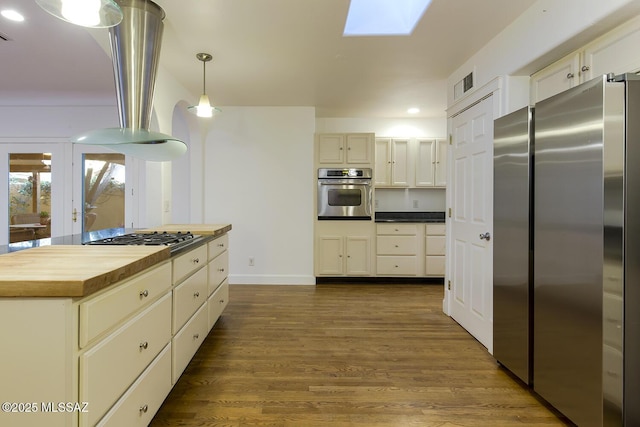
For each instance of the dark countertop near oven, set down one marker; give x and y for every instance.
(409, 217)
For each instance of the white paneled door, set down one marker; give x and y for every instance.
(471, 296)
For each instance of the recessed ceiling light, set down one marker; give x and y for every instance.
(384, 17)
(12, 15)
(413, 110)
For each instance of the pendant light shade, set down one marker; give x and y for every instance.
(204, 108)
(86, 13)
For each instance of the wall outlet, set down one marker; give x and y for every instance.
(252, 262)
(415, 203)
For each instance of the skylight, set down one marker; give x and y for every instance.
(384, 17)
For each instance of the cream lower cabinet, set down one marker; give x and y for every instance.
(398, 249)
(116, 353)
(344, 255)
(434, 250)
(410, 249)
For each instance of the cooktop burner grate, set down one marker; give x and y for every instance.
(148, 239)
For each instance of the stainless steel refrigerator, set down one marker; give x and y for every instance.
(512, 253)
(586, 330)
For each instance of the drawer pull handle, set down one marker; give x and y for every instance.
(144, 345)
(196, 260)
(144, 409)
(221, 270)
(396, 246)
(221, 245)
(196, 336)
(144, 294)
(196, 294)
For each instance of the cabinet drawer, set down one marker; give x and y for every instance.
(110, 367)
(397, 245)
(218, 269)
(397, 229)
(143, 399)
(217, 302)
(217, 246)
(187, 341)
(185, 264)
(108, 309)
(434, 265)
(435, 229)
(435, 245)
(187, 297)
(397, 265)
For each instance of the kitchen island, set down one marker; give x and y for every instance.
(98, 335)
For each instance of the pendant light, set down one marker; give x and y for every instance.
(204, 108)
(86, 13)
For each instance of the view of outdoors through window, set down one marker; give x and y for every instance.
(103, 191)
(29, 196)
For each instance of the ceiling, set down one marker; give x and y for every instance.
(265, 53)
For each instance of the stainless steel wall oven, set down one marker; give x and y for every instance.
(344, 194)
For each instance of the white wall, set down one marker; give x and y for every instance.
(435, 127)
(258, 163)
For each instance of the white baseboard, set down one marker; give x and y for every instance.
(270, 279)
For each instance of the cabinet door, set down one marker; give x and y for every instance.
(330, 148)
(616, 52)
(382, 171)
(358, 256)
(425, 163)
(399, 162)
(330, 259)
(358, 148)
(556, 78)
(440, 172)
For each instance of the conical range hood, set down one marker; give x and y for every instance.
(135, 49)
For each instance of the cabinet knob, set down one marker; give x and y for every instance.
(196, 260)
(144, 409)
(221, 301)
(144, 345)
(221, 270)
(585, 68)
(396, 246)
(221, 245)
(196, 294)
(570, 75)
(144, 294)
(196, 336)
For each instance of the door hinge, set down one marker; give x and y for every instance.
(449, 285)
(450, 139)
(449, 212)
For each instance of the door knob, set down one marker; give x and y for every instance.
(486, 236)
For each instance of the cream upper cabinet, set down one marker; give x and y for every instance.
(391, 163)
(614, 52)
(558, 77)
(340, 149)
(431, 163)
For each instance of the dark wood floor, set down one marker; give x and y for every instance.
(345, 355)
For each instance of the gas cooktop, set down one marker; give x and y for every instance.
(174, 240)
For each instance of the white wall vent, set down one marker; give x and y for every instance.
(463, 86)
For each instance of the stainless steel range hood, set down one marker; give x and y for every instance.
(135, 49)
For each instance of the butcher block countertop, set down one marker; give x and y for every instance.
(203, 229)
(72, 270)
